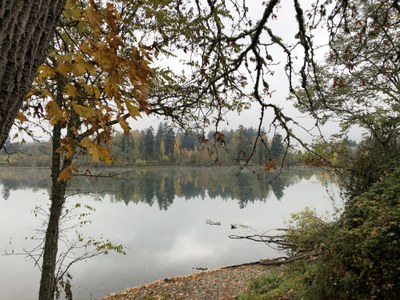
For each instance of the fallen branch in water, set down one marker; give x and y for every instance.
(285, 260)
(274, 261)
(285, 243)
(280, 240)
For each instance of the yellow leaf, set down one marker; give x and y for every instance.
(67, 173)
(91, 149)
(133, 110)
(29, 94)
(63, 68)
(123, 124)
(76, 13)
(374, 231)
(83, 111)
(47, 93)
(97, 152)
(86, 48)
(54, 113)
(96, 92)
(67, 147)
(92, 90)
(21, 117)
(111, 87)
(93, 18)
(81, 66)
(85, 143)
(105, 154)
(78, 69)
(71, 90)
(45, 72)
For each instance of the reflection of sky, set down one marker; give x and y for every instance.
(159, 243)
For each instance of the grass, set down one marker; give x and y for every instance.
(286, 282)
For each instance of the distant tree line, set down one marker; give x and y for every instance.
(225, 147)
(166, 146)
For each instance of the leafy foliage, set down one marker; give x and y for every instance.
(95, 76)
(361, 259)
(335, 154)
(371, 162)
(355, 257)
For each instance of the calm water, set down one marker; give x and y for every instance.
(162, 218)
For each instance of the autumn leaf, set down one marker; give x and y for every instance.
(45, 72)
(91, 149)
(71, 90)
(133, 110)
(81, 66)
(105, 154)
(111, 87)
(54, 113)
(270, 165)
(67, 147)
(92, 90)
(76, 13)
(97, 152)
(83, 111)
(63, 68)
(123, 124)
(67, 173)
(47, 93)
(21, 117)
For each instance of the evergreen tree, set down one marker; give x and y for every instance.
(277, 147)
(169, 139)
(159, 146)
(148, 144)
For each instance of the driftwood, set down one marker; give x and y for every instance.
(282, 243)
(210, 222)
(280, 240)
(275, 261)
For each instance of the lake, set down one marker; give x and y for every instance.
(164, 217)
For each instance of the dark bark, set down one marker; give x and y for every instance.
(26, 29)
(58, 190)
(48, 280)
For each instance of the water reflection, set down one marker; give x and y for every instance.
(160, 215)
(160, 186)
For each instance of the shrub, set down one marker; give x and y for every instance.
(362, 260)
(355, 257)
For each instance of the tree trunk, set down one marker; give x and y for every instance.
(26, 29)
(58, 189)
(48, 280)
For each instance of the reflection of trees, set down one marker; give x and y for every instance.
(5, 192)
(278, 186)
(162, 185)
(22, 178)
